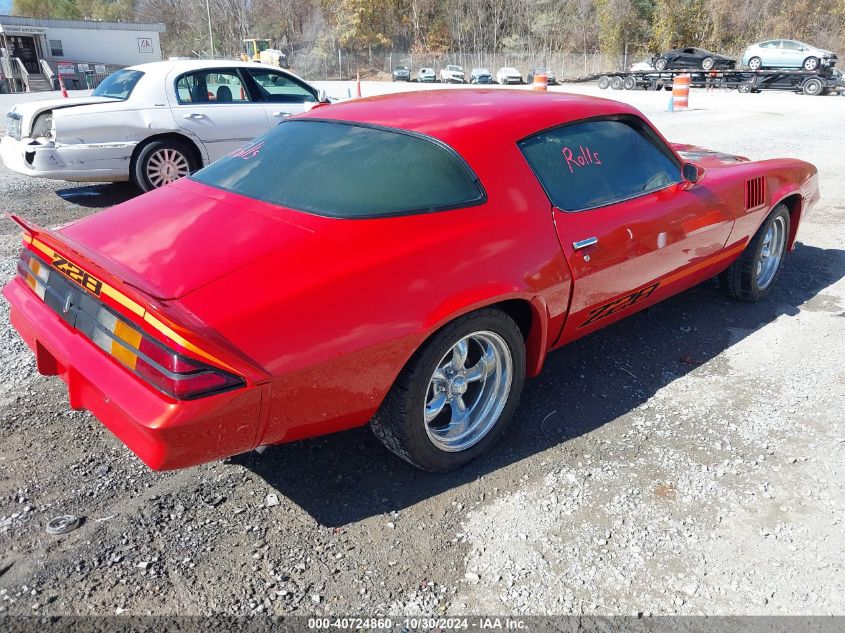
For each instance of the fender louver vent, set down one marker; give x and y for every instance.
(755, 193)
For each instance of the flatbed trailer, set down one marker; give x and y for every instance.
(825, 80)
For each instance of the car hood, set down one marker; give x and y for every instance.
(29, 111)
(706, 157)
(181, 237)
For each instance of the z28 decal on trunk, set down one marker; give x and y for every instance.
(75, 273)
(620, 304)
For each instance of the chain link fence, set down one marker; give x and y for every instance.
(346, 65)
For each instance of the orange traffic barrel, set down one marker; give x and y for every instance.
(680, 91)
(541, 82)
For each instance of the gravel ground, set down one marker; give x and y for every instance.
(687, 460)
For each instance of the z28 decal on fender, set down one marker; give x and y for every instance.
(75, 273)
(619, 304)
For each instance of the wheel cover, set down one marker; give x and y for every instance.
(771, 253)
(166, 165)
(463, 403)
(811, 63)
(708, 63)
(813, 87)
(755, 63)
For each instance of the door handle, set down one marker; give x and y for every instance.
(590, 241)
(284, 114)
(193, 115)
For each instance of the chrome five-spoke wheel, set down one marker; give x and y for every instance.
(771, 252)
(457, 393)
(752, 276)
(468, 391)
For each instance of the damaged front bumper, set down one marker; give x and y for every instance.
(99, 162)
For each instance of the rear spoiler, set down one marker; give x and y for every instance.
(30, 229)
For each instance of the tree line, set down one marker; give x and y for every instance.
(321, 29)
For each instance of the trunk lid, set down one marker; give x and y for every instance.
(181, 237)
(28, 111)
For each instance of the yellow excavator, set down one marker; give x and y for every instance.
(256, 50)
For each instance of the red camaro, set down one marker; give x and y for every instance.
(404, 260)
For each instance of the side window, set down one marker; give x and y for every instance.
(279, 88)
(211, 86)
(791, 46)
(595, 163)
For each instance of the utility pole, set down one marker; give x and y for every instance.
(210, 35)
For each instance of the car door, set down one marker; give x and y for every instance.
(281, 95)
(792, 54)
(215, 105)
(688, 58)
(630, 227)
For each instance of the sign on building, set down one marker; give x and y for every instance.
(84, 68)
(145, 45)
(66, 68)
(100, 69)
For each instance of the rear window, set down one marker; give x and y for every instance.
(347, 171)
(118, 85)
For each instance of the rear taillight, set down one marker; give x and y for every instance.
(35, 273)
(154, 362)
(165, 369)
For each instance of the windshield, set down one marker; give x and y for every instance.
(118, 85)
(346, 170)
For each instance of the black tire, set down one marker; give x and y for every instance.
(629, 83)
(740, 279)
(812, 87)
(660, 64)
(399, 422)
(811, 63)
(707, 63)
(604, 82)
(755, 63)
(149, 152)
(744, 88)
(616, 83)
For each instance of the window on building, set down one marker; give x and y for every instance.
(56, 49)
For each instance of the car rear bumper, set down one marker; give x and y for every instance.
(164, 433)
(78, 163)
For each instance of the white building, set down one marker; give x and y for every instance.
(33, 51)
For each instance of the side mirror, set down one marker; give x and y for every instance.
(322, 97)
(692, 173)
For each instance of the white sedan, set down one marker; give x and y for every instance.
(508, 75)
(153, 123)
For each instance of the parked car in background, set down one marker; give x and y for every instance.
(426, 75)
(508, 75)
(401, 73)
(682, 58)
(550, 75)
(452, 74)
(480, 76)
(645, 66)
(201, 320)
(787, 54)
(153, 123)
